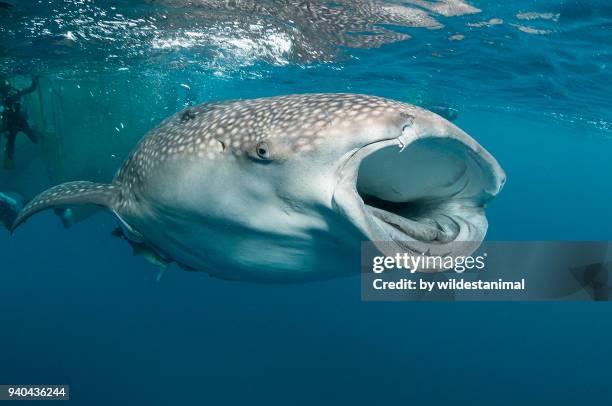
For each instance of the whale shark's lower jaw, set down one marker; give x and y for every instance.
(421, 196)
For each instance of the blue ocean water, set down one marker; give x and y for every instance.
(530, 80)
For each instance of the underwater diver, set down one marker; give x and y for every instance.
(14, 120)
(9, 208)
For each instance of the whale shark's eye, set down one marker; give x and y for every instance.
(262, 150)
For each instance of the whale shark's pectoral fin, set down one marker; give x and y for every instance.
(68, 194)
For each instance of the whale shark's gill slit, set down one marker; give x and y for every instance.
(431, 191)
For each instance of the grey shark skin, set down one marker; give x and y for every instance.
(284, 189)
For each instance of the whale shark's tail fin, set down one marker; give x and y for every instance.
(68, 194)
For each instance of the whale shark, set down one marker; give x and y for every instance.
(286, 188)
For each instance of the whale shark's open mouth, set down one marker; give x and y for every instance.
(410, 193)
(421, 195)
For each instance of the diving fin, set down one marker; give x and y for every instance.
(9, 208)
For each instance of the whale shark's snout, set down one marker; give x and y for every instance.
(285, 189)
(422, 191)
